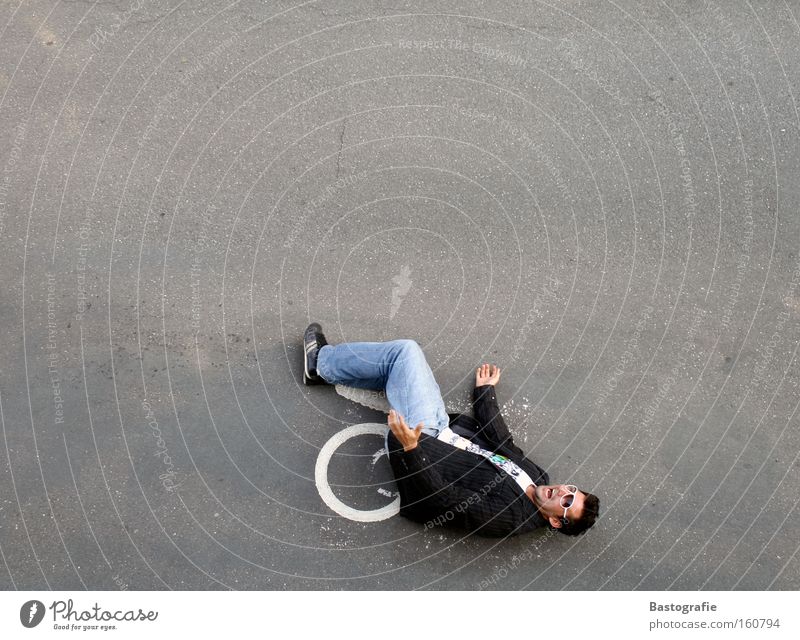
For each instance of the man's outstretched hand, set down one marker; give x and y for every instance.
(407, 437)
(487, 374)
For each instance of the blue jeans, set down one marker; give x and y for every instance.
(399, 367)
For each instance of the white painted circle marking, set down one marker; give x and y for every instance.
(321, 476)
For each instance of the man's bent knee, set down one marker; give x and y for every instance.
(408, 346)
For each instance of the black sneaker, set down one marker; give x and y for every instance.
(313, 341)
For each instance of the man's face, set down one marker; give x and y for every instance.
(547, 499)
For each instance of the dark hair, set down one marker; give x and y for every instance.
(591, 509)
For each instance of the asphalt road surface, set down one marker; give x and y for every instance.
(601, 198)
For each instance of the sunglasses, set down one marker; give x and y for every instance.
(567, 500)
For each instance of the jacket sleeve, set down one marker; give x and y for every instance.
(421, 475)
(493, 427)
(425, 494)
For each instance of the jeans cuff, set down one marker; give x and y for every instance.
(319, 363)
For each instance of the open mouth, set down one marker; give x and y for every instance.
(549, 493)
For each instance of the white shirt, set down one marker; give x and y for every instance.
(501, 462)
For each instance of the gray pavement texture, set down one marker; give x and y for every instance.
(600, 197)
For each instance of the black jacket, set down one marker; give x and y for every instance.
(442, 485)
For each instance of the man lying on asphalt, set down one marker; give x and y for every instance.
(451, 468)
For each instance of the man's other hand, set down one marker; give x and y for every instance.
(407, 437)
(487, 374)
